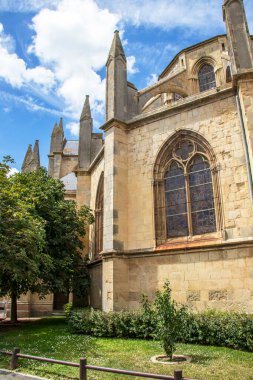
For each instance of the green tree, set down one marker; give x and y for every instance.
(22, 237)
(53, 225)
(170, 319)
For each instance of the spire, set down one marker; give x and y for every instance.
(57, 138)
(116, 81)
(32, 158)
(61, 125)
(86, 114)
(53, 137)
(85, 136)
(27, 159)
(36, 155)
(54, 129)
(116, 48)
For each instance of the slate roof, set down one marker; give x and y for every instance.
(71, 148)
(70, 181)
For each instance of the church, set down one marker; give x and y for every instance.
(169, 179)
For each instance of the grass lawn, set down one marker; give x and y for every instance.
(49, 337)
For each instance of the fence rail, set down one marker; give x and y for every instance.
(83, 367)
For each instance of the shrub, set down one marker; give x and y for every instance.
(169, 322)
(68, 307)
(170, 319)
(228, 329)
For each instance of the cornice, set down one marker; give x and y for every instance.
(242, 76)
(114, 123)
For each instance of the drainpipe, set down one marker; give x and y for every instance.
(245, 148)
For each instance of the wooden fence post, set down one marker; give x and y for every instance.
(14, 358)
(83, 370)
(178, 374)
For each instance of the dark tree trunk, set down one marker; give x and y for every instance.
(14, 314)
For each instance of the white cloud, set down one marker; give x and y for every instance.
(12, 67)
(73, 127)
(131, 68)
(12, 171)
(30, 104)
(41, 76)
(73, 40)
(14, 70)
(153, 78)
(196, 15)
(165, 14)
(26, 5)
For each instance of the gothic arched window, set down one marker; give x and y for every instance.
(99, 214)
(206, 77)
(186, 196)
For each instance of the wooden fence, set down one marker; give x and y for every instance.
(83, 367)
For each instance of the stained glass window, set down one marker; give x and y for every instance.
(206, 78)
(189, 199)
(201, 197)
(184, 149)
(175, 197)
(99, 213)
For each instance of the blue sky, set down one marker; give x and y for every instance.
(52, 53)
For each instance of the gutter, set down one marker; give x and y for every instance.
(245, 147)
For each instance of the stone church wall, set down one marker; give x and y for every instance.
(219, 124)
(215, 274)
(211, 277)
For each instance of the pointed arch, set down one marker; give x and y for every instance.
(99, 216)
(228, 75)
(202, 61)
(206, 74)
(186, 191)
(165, 150)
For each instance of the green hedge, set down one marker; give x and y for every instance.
(228, 329)
(114, 324)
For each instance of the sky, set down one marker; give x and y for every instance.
(53, 53)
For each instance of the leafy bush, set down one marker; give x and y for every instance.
(170, 319)
(68, 307)
(169, 322)
(228, 329)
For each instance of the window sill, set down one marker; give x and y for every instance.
(192, 241)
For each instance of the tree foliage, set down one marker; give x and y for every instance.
(170, 318)
(41, 235)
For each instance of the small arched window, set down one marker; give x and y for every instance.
(99, 215)
(228, 75)
(206, 78)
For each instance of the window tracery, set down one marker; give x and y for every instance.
(188, 192)
(185, 189)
